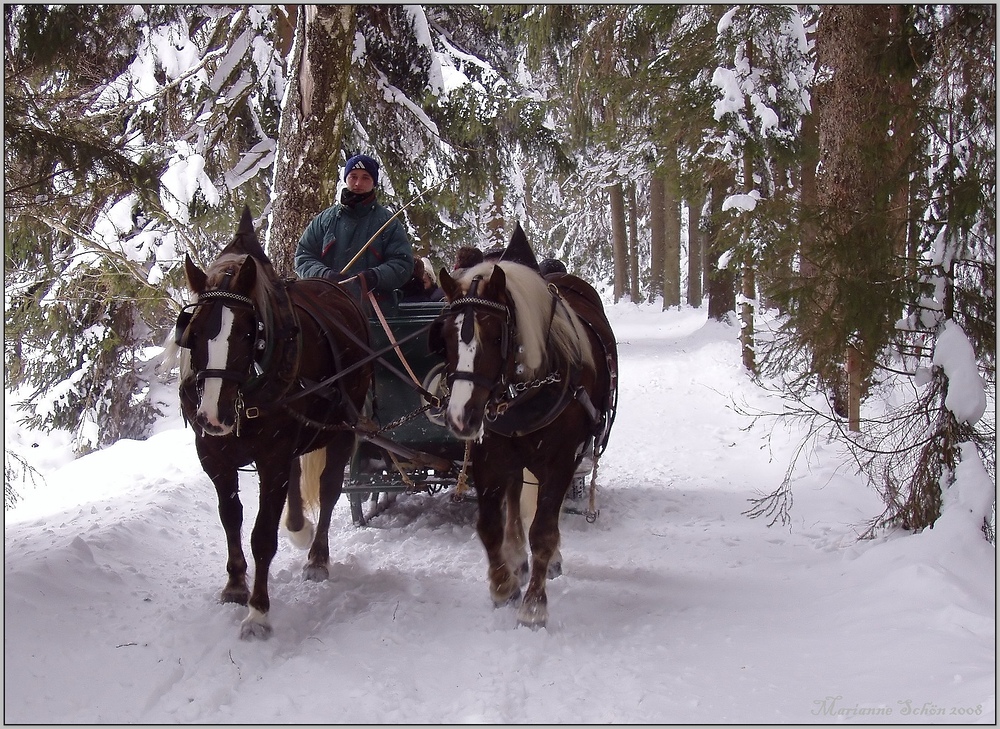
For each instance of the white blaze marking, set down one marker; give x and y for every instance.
(461, 390)
(218, 357)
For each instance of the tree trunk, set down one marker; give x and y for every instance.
(496, 222)
(856, 243)
(619, 236)
(657, 233)
(904, 125)
(633, 244)
(672, 250)
(721, 282)
(309, 159)
(672, 237)
(853, 389)
(809, 200)
(696, 252)
(748, 287)
(748, 290)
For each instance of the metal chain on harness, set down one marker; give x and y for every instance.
(553, 378)
(405, 418)
(463, 480)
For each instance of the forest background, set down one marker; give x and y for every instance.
(833, 164)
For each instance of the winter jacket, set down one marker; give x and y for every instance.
(335, 236)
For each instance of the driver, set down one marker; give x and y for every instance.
(336, 235)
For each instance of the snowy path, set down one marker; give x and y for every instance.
(674, 607)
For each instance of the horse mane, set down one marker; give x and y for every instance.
(541, 345)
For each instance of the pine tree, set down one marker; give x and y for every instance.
(122, 126)
(951, 283)
(897, 247)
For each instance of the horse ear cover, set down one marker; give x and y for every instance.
(519, 250)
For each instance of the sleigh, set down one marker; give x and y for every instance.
(404, 446)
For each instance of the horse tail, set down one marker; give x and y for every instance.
(311, 466)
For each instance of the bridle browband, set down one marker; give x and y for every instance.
(477, 301)
(230, 296)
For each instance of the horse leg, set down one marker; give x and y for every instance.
(264, 543)
(529, 504)
(491, 488)
(331, 483)
(515, 551)
(227, 489)
(544, 539)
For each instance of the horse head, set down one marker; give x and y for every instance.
(475, 335)
(222, 336)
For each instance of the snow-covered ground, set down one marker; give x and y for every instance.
(673, 607)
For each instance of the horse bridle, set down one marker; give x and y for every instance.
(469, 305)
(231, 300)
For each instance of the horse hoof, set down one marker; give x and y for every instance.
(315, 573)
(238, 595)
(554, 570)
(512, 598)
(533, 615)
(255, 626)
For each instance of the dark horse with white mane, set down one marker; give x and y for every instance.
(251, 350)
(532, 373)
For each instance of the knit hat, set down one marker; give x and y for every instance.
(429, 269)
(362, 162)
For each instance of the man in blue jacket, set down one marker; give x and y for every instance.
(336, 235)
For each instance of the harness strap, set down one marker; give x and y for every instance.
(323, 322)
(476, 379)
(221, 374)
(371, 357)
(392, 339)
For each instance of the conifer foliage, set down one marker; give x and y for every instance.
(833, 166)
(127, 130)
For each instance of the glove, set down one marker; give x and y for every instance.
(335, 276)
(369, 279)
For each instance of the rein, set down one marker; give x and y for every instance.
(371, 357)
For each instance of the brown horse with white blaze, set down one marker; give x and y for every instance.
(532, 371)
(250, 349)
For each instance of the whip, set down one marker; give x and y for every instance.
(386, 224)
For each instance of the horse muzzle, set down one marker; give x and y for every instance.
(219, 404)
(213, 429)
(465, 421)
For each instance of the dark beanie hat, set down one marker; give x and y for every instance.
(362, 162)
